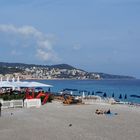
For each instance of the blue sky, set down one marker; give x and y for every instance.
(94, 35)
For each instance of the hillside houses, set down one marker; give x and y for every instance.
(52, 73)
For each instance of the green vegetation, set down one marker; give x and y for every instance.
(62, 66)
(7, 96)
(7, 70)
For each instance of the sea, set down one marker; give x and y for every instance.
(115, 88)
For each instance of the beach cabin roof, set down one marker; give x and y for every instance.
(38, 84)
(23, 84)
(5, 84)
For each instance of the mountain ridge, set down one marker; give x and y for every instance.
(9, 68)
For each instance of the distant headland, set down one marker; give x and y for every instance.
(60, 71)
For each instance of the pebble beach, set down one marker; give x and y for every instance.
(55, 121)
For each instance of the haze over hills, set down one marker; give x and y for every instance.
(59, 71)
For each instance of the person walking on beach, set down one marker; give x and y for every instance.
(0, 108)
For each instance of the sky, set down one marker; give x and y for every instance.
(93, 35)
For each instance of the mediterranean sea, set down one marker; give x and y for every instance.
(110, 87)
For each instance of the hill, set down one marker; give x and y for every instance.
(111, 76)
(60, 71)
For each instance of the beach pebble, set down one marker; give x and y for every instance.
(70, 125)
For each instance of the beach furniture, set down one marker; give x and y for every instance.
(28, 103)
(12, 104)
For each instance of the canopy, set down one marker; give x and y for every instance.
(6, 84)
(22, 84)
(37, 84)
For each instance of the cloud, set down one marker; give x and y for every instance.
(30, 37)
(43, 55)
(77, 46)
(25, 31)
(45, 44)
